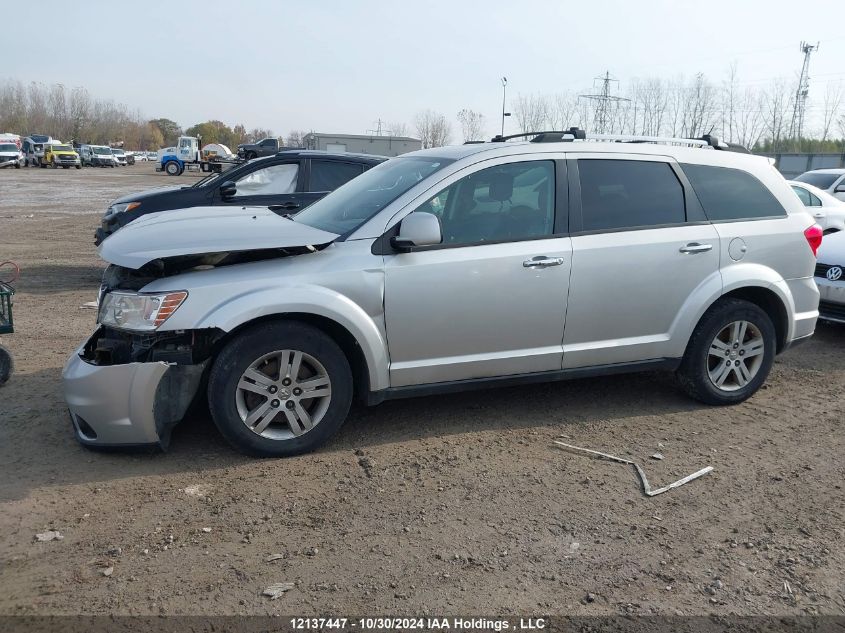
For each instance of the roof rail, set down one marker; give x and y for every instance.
(575, 134)
(549, 136)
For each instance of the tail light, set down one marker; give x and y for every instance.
(814, 237)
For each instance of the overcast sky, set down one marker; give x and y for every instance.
(339, 66)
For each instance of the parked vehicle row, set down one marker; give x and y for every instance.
(445, 269)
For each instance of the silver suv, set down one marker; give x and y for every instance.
(450, 269)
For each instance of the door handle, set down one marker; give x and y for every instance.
(695, 247)
(542, 262)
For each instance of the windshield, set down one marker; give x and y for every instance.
(348, 207)
(39, 138)
(62, 148)
(822, 181)
(118, 152)
(101, 150)
(8, 147)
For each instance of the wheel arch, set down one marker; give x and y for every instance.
(771, 303)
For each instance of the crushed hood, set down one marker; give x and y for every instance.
(206, 230)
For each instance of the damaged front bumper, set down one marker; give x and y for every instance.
(116, 403)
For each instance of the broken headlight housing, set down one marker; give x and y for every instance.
(138, 312)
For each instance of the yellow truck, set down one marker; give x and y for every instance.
(61, 156)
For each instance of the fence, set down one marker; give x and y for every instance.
(792, 164)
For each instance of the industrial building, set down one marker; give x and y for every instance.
(362, 144)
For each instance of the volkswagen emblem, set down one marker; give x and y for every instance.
(834, 273)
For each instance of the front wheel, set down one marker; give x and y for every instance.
(280, 389)
(730, 353)
(251, 155)
(172, 168)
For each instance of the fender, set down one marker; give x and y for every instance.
(307, 299)
(734, 277)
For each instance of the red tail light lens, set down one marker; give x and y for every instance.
(814, 237)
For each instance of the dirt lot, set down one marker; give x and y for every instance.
(449, 505)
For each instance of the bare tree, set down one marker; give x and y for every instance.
(433, 129)
(775, 106)
(531, 112)
(830, 111)
(472, 124)
(562, 112)
(398, 129)
(296, 138)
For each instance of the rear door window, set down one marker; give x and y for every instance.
(731, 194)
(804, 195)
(327, 175)
(626, 194)
(272, 180)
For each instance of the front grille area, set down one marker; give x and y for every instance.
(830, 310)
(821, 269)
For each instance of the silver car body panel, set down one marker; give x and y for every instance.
(448, 314)
(116, 400)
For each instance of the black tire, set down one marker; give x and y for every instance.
(694, 372)
(251, 155)
(171, 168)
(7, 365)
(256, 342)
(17, 165)
(79, 166)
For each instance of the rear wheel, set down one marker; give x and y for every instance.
(730, 354)
(280, 389)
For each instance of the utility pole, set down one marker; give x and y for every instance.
(796, 129)
(603, 100)
(504, 92)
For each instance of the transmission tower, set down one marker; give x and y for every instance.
(800, 105)
(604, 102)
(379, 131)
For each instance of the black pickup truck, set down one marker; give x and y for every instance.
(264, 147)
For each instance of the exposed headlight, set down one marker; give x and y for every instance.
(122, 207)
(138, 312)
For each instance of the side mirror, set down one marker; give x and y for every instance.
(228, 189)
(417, 229)
(839, 189)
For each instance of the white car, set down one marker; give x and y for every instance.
(830, 278)
(10, 155)
(830, 180)
(828, 211)
(140, 157)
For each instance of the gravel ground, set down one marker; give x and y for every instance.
(449, 505)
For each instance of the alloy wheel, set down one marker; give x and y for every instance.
(283, 394)
(735, 355)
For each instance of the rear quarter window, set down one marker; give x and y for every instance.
(731, 194)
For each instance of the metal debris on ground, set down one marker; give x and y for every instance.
(90, 305)
(647, 489)
(49, 535)
(273, 557)
(277, 590)
(657, 456)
